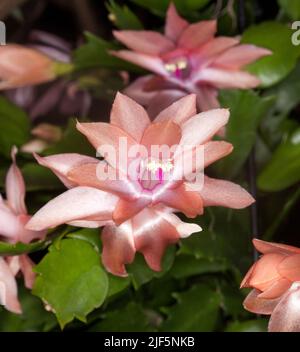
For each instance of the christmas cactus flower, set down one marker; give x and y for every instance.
(13, 218)
(135, 191)
(187, 58)
(275, 283)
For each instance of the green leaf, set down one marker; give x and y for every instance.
(276, 37)
(283, 170)
(117, 284)
(34, 317)
(130, 318)
(71, 280)
(196, 310)
(20, 248)
(92, 236)
(14, 126)
(140, 273)
(95, 54)
(242, 126)
(255, 325)
(291, 7)
(123, 17)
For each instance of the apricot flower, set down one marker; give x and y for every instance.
(187, 58)
(13, 218)
(275, 279)
(136, 204)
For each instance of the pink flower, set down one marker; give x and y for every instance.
(188, 58)
(13, 218)
(21, 66)
(275, 279)
(136, 207)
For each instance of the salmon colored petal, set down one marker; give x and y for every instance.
(257, 305)
(197, 34)
(161, 133)
(202, 127)
(91, 175)
(222, 78)
(118, 248)
(225, 194)
(61, 164)
(265, 271)
(270, 247)
(76, 204)
(127, 209)
(149, 62)
(110, 140)
(15, 187)
(152, 235)
(180, 111)
(8, 289)
(240, 56)
(207, 97)
(136, 91)
(26, 266)
(129, 116)
(276, 290)
(246, 280)
(286, 315)
(290, 267)
(189, 203)
(215, 150)
(175, 24)
(146, 42)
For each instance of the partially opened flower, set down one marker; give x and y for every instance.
(187, 58)
(275, 280)
(134, 191)
(13, 218)
(21, 66)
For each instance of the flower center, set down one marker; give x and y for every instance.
(154, 172)
(178, 67)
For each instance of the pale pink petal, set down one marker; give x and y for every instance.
(270, 247)
(26, 266)
(286, 315)
(76, 204)
(277, 289)
(207, 97)
(9, 224)
(118, 248)
(202, 127)
(15, 187)
(25, 235)
(257, 305)
(129, 116)
(146, 42)
(221, 78)
(240, 56)
(225, 194)
(215, 150)
(265, 272)
(88, 223)
(174, 23)
(152, 235)
(125, 210)
(151, 63)
(136, 91)
(290, 267)
(8, 289)
(61, 164)
(180, 111)
(197, 34)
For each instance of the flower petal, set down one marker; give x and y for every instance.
(61, 164)
(277, 289)
(271, 247)
(286, 315)
(180, 111)
(26, 266)
(152, 235)
(174, 23)
(197, 34)
(146, 42)
(207, 97)
(8, 289)
(9, 224)
(257, 305)
(149, 62)
(15, 187)
(239, 56)
(118, 248)
(136, 91)
(290, 267)
(76, 204)
(215, 150)
(129, 116)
